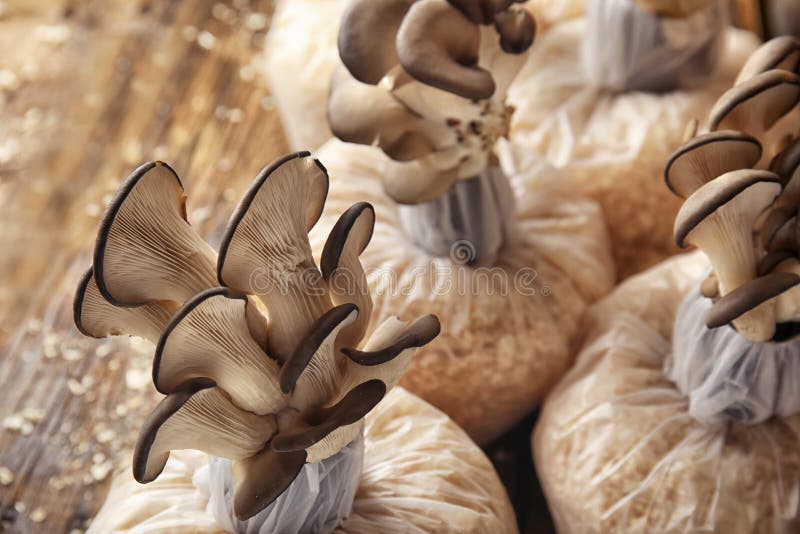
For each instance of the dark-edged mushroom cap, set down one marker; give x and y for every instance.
(771, 222)
(439, 46)
(265, 249)
(756, 104)
(785, 238)
(779, 53)
(95, 317)
(316, 426)
(749, 296)
(772, 260)
(260, 479)
(204, 420)
(208, 342)
(517, 30)
(388, 353)
(342, 269)
(366, 39)
(707, 156)
(145, 249)
(480, 11)
(369, 115)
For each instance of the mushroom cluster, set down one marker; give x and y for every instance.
(741, 183)
(260, 354)
(426, 81)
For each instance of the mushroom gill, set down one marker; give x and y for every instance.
(269, 393)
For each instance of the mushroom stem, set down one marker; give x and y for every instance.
(470, 223)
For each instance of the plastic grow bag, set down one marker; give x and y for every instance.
(617, 450)
(506, 328)
(421, 474)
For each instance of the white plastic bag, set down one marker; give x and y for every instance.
(421, 474)
(318, 500)
(627, 48)
(617, 450)
(727, 377)
(506, 329)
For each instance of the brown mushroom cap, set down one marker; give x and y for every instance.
(480, 11)
(145, 249)
(265, 248)
(748, 296)
(205, 420)
(342, 269)
(367, 36)
(785, 238)
(355, 405)
(707, 156)
(769, 262)
(207, 342)
(517, 30)
(757, 103)
(439, 46)
(712, 195)
(262, 478)
(779, 53)
(95, 317)
(787, 162)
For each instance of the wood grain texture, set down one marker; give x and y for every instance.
(88, 91)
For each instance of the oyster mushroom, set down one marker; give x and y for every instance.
(756, 293)
(718, 218)
(781, 53)
(268, 395)
(707, 156)
(265, 248)
(94, 316)
(207, 342)
(145, 249)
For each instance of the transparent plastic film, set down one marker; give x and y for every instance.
(421, 473)
(629, 48)
(318, 500)
(617, 449)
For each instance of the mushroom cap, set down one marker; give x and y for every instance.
(785, 237)
(480, 11)
(201, 419)
(716, 193)
(207, 342)
(145, 241)
(262, 478)
(366, 38)
(95, 317)
(779, 53)
(748, 296)
(769, 262)
(517, 30)
(786, 163)
(439, 46)
(707, 156)
(757, 103)
(422, 332)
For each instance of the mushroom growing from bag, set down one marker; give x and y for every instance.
(426, 82)
(263, 359)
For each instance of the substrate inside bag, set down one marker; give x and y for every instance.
(506, 329)
(617, 450)
(421, 474)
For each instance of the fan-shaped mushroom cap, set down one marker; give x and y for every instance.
(517, 29)
(757, 103)
(746, 298)
(145, 249)
(779, 53)
(312, 373)
(208, 342)
(389, 350)
(205, 420)
(342, 269)
(439, 46)
(369, 115)
(265, 249)
(707, 156)
(96, 317)
(260, 479)
(718, 218)
(366, 39)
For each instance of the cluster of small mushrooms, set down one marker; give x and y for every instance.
(741, 184)
(259, 353)
(426, 81)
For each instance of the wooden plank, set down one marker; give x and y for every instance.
(95, 89)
